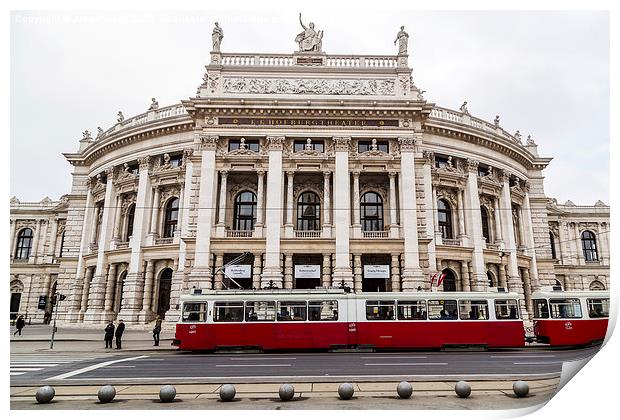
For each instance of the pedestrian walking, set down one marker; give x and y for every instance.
(19, 325)
(157, 330)
(109, 334)
(120, 329)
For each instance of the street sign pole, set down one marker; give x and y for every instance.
(54, 309)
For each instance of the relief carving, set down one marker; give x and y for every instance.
(364, 87)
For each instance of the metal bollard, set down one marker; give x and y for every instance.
(520, 388)
(45, 394)
(167, 393)
(462, 389)
(345, 391)
(404, 390)
(227, 392)
(106, 393)
(286, 392)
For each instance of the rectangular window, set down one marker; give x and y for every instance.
(228, 312)
(565, 308)
(252, 145)
(441, 162)
(176, 160)
(260, 311)
(411, 310)
(541, 309)
(367, 146)
(474, 309)
(292, 311)
(379, 310)
(323, 310)
(598, 308)
(506, 309)
(442, 310)
(194, 312)
(300, 145)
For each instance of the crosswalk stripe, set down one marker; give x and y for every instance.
(27, 369)
(17, 373)
(18, 365)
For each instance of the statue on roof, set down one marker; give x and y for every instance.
(309, 39)
(154, 105)
(121, 117)
(216, 37)
(464, 109)
(402, 38)
(496, 121)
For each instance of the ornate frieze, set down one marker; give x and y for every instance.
(364, 87)
(168, 191)
(449, 195)
(429, 157)
(127, 200)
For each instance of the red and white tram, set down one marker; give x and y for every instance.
(570, 318)
(324, 319)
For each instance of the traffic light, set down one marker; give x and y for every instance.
(62, 297)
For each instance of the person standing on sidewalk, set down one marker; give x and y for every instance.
(19, 325)
(120, 329)
(109, 334)
(157, 330)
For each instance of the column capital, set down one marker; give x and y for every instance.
(224, 172)
(187, 153)
(392, 174)
(341, 144)
(356, 173)
(109, 171)
(504, 176)
(407, 144)
(428, 156)
(208, 142)
(275, 142)
(145, 163)
(326, 174)
(472, 165)
(290, 173)
(260, 172)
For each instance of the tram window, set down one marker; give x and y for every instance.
(506, 309)
(565, 308)
(323, 310)
(194, 312)
(442, 309)
(541, 309)
(474, 309)
(292, 311)
(598, 308)
(411, 309)
(260, 311)
(228, 312)
(379, 310)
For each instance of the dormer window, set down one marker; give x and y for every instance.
(373, 145)
(308, 145)
(243, 144)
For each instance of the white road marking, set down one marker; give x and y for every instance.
(262, 358)
(17, 373)
(119, 366)
(27, 369)
(91, 368)
(19, 365)
(521, 357)
(538, 363)
(252, 365)
(405, 364)
(393, 357)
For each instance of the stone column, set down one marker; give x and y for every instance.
(146, 314)
(327, 225)
(51, 252)
(563, 254)
(116, 237)
(257, 270)
(438, 237)
(527, 290)
(394, 231)
(342, 214)
(395, 268)
(260, 198)
(529, 239)
(412, 276)
(201, 276)
(508, 232)
(502, 276)
(155, 213)
(85, 291)
(429, 196)
(603, 243)
(474, 219)
(134, 282)
(109, 291)
(12, 238)
(578, 246)
(498, 223)
(273, 215)
(357, 226)
(288, 227)
(288, 271)
(219, 275)
(40, 250)
(327, 270)
(357, 272)
(461, 212)
(35, 242)
(466, 285)
(94, 227)
(221, 214)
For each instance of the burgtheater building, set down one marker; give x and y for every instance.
(300, 170)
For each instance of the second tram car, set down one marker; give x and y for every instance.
(331, 318)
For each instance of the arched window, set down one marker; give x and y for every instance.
(588, 241)
(554, 254)
(371, 212)
(449, 281)
(245, 211)
(172, 217)
(130, 215)
(24, 244)
(484, 215)
(308, 211)
(444, 214)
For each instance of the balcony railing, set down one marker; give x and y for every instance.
(122, 245)
(308, 233)
(375, 234)
(163, 241)
(451, 242)
(239, 233)
(285, 60)
(492, 246)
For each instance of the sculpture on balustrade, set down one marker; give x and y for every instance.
(402, 38)
(517, 136)
(99, 132)
(154, 105)
(530, 141)
(216, 37)
(464, 109)
(309, 144)
(309, 39)
(120, 118)
(86, 135)
(496, 121)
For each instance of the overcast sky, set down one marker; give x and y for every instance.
(545, 73)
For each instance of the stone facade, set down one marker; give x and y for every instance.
(332, 164)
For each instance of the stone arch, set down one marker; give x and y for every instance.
(450, 280)
(17, 288)
(596, 285)
(492, 280)
(296, 205)
(120, 290)
(164, 288)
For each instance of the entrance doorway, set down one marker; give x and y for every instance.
(376, 273)
(449, 281)
(163, 297)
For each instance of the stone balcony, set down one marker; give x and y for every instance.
(451, 242)
(239, 233)
(375, 234)
(164, 241)
(308, 234)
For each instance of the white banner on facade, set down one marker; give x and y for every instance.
(307, 271)
(239, 271)
(377, 271)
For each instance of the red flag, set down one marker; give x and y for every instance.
(443, 275)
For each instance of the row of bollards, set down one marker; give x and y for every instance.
(167, 393)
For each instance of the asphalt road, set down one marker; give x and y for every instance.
(29, 369)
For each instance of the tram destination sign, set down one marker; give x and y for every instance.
(325, 122)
